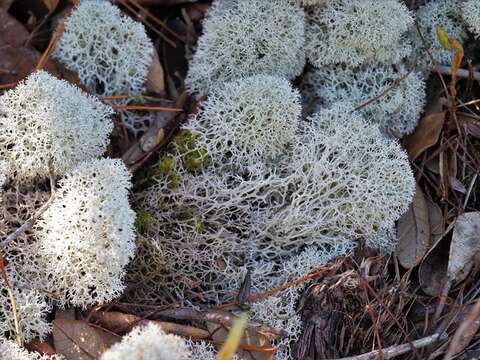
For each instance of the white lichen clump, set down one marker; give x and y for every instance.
(471, 15)
(149, 342)
(357, 32)
(348, 181)
(400, 99)
(444, 13)
(32, 310)
(9, 350)
(248, 122)
(45, 120)
(110, 52)
(86, 237)
(245, 38)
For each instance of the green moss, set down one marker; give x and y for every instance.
(174, 181)
(167, 165)
(200, 226)
(143, 221)
(185, 214)
(184, 142)
(186, 145)
(195, 160)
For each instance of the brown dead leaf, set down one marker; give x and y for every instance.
(414, 232)
(156, 78)
(465, 247)
(51, 4)
(436, 220)
(426, 134)
(118, 322)
(449, 263)
(17, 61)
(433, 269)
(465, 332)
(197, 11)
(5, 4)
(66, 314)
(470, 124)
(41, 347)
(76, 340)
(12, 32)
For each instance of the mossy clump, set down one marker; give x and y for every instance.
(143, 221)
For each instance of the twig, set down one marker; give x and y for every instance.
(16, 318)
(53, 41)
(470, 188)
(148, 24)
(296, 282)
(113, 97)
(156, 20)
(386, 91)
(397, 350)
(8, 86)
(145, 108)
(462, 73)
(27, 225)
(223, 318)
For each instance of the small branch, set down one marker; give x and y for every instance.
(386, 91)
(394, 351)
(462, 73)
(223, 318)
(258, 296)
(27, 225)
(145, 108)
(53, 41)
(113, 97)
(8, 86)
(16, 317)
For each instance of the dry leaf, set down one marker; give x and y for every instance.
(469, 123)
(433, 269)
(76, 340)
(17, 61)
(447, 264)
(66, 314)
(115, 321)
(414, 232)
(5, 4)
(465, 247)
(41, 347)
(12, 32)
(426, 134)
(155, 78)
(465, 332)
(51, 4)
(436, 220)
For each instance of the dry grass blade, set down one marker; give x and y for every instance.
(233, 340)
(13, 303)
